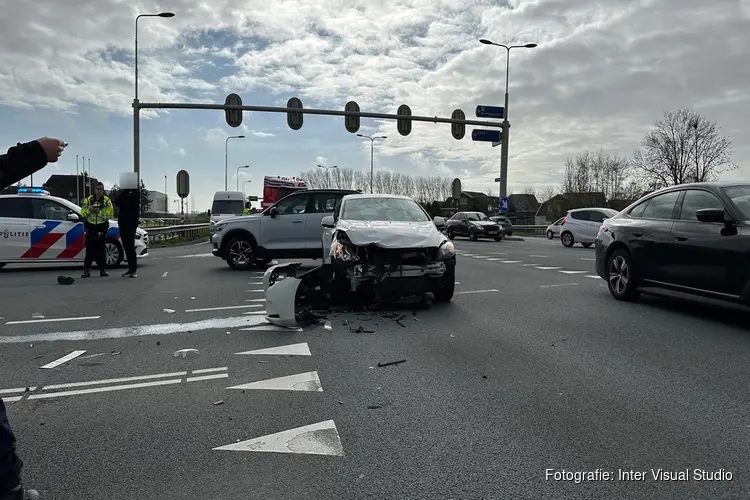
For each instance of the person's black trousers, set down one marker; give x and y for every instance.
(127, 236)
(96, 239)
(10, 463)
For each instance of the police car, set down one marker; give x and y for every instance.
(37, 227)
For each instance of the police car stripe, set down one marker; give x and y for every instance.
(42, 246)
(40, 232)
(75, 242)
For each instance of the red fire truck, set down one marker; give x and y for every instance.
(276, 188)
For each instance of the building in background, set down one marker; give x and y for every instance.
(64, 186)
(158, 202)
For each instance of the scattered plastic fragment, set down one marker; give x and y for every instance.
(37, 316)
(399, 323)
(116, 353)
(217, 403)
(328, 326)
(374, 407)
(184, 353)
(361, 329)
(391, 363)
(452, 335)
(169, 311)
(192, 298)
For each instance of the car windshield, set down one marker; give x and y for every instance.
(383, 209)
(740, 196)
(476, 216)
(224, 207)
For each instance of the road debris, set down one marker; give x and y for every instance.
(65, 280)
(169, 311)
(184, 353)
(37, 316)
(328, 326)
(380, 365)
(374, 407)
(361, 329)
(217, 403)
(116, 353)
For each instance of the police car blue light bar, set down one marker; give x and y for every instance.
(32, 190)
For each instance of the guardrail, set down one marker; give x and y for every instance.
(188, 231)
(530, 229)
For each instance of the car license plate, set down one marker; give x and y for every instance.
(492, 232)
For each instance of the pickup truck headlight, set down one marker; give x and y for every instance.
(446, 251)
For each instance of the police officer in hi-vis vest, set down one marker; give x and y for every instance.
(97, 210)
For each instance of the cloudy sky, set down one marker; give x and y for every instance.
(602, 73)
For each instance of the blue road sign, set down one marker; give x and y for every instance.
(504, 204)
(485, 135)
(490, 112)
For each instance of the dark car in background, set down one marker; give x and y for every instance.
(474, 225)
(505, 223)
(690, 238)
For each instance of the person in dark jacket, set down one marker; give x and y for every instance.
(129, 203)
(20, 162)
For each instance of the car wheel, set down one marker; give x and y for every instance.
(550, 235)
(240, 254)
(620, 279)
(447, 285)
(472, 235)
(586, 245)
(567, 239)
(113, 253)
(450, 234)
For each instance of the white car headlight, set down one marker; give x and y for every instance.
(219, 227)
(446, 251)
(344, 251)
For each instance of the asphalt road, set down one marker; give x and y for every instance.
(529, 368)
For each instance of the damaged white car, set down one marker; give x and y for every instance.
(376, 248)
(384, 246)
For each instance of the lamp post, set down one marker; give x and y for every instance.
(506, 124)
(694, 125)
(372, 150)
(243, 189)
(238, 175)
(136, 109)
(328, 179)
(166, 198)
(226, 153)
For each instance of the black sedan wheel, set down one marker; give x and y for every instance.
(620, 279)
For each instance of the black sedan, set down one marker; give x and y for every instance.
(475, 225)
(690, 238)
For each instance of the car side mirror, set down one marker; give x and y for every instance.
(439, 221)
(711, 215)
(273, 211)
(328, 222)
(73, 217)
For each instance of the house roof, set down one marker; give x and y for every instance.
(474, 194)
(526, 201)
(64, 185)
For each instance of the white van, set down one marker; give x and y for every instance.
(226, 204)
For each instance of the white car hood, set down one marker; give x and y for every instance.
(387, 234)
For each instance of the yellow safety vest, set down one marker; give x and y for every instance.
(105, 213)
(246, 211)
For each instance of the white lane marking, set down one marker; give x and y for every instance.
(271, 328)
(208, 377)
(136, 331)
(494, 258)
(254, 291)
(211, 370)
(573, 272)
(62, 360)
(113, 380)
(105, 389)
(222, 308)
(255, 300)
(13, 399)
(540, 256)
(548, 268)
(193, 256)
(255, 283)
(17, 389)
(301, 349)
(299, 382)
(315, 439)
(165, 274)
(52, 320)
(478, 291)
(255, 313)
(530, 265)
(511, 261)
(498, 253)
(594, 276)
(558, 285)
(586, 258)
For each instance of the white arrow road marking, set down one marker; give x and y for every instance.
(63, 360)
(315, 439)
(300, 382)
(285, 350)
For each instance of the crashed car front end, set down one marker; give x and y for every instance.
(387, 269)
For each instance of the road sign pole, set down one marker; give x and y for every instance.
(137, 142)
(504, 151)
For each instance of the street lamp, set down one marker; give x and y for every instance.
(238, 175)
(506, 125)
(372, 149)
(243, 189)
(136, 110)
(166, 198)
(328, 179)
(226, 151)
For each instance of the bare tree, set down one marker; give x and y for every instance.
(361, 181)
(546, 194)
(683, 146)
(407, 185)
(347, 178)
(599, 172)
